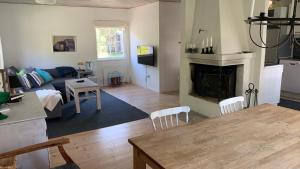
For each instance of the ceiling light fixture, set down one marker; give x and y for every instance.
(46, 2)
(264, 20)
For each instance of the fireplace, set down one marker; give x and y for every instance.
(216, 82)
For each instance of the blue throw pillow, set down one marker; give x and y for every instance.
(45, 75)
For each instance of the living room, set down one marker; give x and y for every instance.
(125, 84)
(29, 43)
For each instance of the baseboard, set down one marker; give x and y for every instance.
(290, 96)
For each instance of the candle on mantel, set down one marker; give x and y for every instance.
(203, 44)
(252, 8)
(211, 41)
(207, 42)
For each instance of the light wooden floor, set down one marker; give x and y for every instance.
(108, 148)
(144, 99)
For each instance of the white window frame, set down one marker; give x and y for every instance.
(110, 24)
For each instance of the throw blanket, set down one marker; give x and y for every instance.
(49, 98)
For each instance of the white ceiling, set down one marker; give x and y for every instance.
(94, 3)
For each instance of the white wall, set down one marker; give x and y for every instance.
(206, 20)
(169, 47)
(223, 21)
(156, 24)
(191, 18)
(234, 31)
(27, 31)
(259, 60)
(144, 30)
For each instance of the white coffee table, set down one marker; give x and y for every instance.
(74, 87)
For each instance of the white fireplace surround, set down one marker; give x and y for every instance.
(221, 59)
(207, 107)
(225, 23)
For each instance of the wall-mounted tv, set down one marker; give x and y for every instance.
(146, 55)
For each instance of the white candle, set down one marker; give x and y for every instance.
(211, 41)
(292, 9)
(252, 8)
(207, 42)
(203, 44)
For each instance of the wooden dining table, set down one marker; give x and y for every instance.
(263, 137)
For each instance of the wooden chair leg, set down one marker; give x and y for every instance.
(138, 163)
(63, 153)
(8, 163)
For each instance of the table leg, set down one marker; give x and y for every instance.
(77, 102)
(68, 94)
(98, 96)
(138, 163)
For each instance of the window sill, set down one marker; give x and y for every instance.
(111, 59)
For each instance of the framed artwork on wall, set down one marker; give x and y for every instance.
(64, 43)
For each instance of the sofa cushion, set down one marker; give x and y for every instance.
(35, 79)
(60, 80)
(24, 81)
(66, 71)
(45, 75)
(12, 71)
(22, 72)
(53, 72)
(59, 84)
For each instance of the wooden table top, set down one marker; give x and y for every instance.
(264, 137)
(87, 83)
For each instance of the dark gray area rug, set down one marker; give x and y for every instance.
(114, 111)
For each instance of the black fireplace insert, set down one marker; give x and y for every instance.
(217, 82)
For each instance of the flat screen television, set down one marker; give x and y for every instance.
(146, 55)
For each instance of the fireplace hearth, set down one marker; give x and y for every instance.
(216, 82)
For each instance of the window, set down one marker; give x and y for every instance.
(110, 42)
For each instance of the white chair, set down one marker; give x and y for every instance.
(232, 105)
(169, 112)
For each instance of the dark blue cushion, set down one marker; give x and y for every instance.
(12, 71)
(53, 72)
(66, 71)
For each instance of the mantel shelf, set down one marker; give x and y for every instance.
(220, 59)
